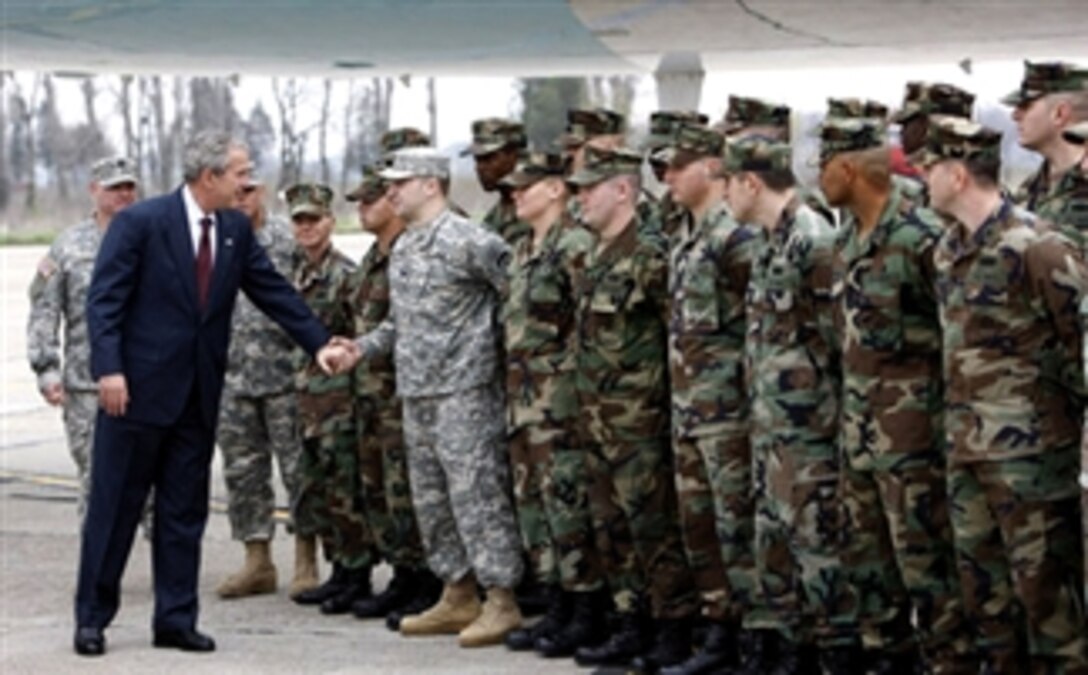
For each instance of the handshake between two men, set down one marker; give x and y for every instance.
(338, 356)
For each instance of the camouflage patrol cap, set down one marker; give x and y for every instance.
(664, 123)
(372, 187)
(601, 164)
(404, 137)
(1052, 77)
(535, 166)
(112, 171)
(691, 142)
(751, 112)
(311, 199)
(838, 135)
(416, 163)
(852, 108)
(957, 138)
(492, 134)
(757, 153)
(583, 125)
(1077, 134)
(923, 98)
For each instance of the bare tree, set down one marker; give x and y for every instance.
(5, 179)
(348, 158)
(164, 143)
(432, 109)
(323, 131)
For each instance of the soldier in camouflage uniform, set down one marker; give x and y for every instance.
(899, 554)
(622, 382)
(58, 294)
(383, 460)
(663, 127)
(547, 460)
(709, 261)
(1051, 98)
(598, 128)
(496, 145)
(329, 499)
(792, 375)
(258, 421)
(1009, 289)
(446, 276)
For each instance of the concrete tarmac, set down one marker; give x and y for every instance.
(39, 546)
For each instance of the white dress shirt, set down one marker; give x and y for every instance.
(195, 214)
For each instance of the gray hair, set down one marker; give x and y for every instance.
(207, 150)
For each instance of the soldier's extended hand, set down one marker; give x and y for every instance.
(340, 355)
(54, 394)
(113, 394)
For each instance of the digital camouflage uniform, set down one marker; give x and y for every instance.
(894, 471)
(258, 417)
(58, 294)
(792, 375)
(491, 135)
(329, 502)
(1008, 294)
(1061, 200)
(548, 462)
(622, 382)
(709, 264)
(445, 280)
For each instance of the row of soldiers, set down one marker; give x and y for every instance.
(835, 428)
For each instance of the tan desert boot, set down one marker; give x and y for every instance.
(458, 607)
(500, 615)
(305, 566)
(257, 576)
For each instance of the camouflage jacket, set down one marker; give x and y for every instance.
(673, 215)
(261, 357)
(59, 293)
(886, 313)
(375, 378)
(1009, 296)
(708, 273)
(650, 218)
(502, 218)
(325, 402)
(1063, 202)
(538, 317)
(446, 278)
(621, 352)
(791, 365)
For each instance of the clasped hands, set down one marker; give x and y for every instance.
(338, 356)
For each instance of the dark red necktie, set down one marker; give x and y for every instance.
(204, 263)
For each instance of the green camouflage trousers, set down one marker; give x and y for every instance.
(800, 526)
(251, 431)
(550, 490)
(1020, 559)
(713, 487)
(900, 559)
(633, 502)
(387, 494)
(329, 503)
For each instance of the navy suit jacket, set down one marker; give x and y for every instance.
(143, 315)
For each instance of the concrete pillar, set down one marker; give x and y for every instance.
(679, 78)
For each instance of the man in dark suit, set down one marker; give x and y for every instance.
(158, 312)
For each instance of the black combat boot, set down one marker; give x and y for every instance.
(842, 660)
(718, 653)
(398, 592)
(626, 642)
(672, 646)
(758, 652)
(797, 658)
(587, 626)
(428, 588)
(531, 595)
(356, 588)
(555, 619)
(893, 663)
(332, 586)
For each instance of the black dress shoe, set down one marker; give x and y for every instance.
(185, 640)
(90, 642)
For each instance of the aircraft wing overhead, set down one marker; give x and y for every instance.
(520, 37)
